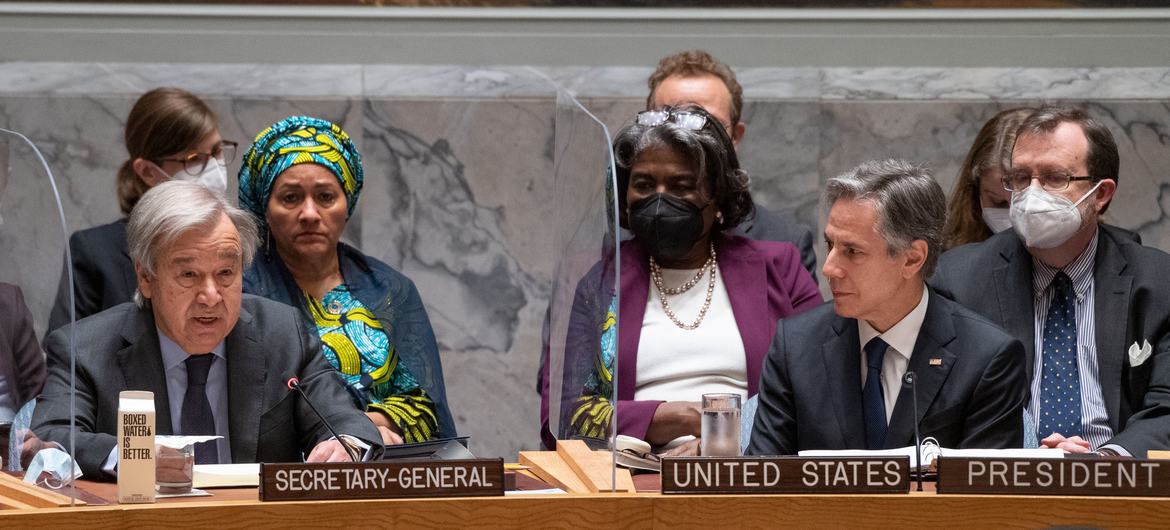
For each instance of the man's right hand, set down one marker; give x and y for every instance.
(1070, 445)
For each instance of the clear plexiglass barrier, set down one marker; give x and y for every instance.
(582, 334)
(32, 233)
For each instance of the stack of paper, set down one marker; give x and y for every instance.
(226, 475)
(931, 452)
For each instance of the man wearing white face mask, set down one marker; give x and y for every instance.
(1090, 304)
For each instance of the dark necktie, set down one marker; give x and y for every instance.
(197, 418)
(872, 396)
(1060, 384)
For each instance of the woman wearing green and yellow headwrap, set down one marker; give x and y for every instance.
(301, 178)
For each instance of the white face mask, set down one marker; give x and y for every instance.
(997, 219)
(213, 177)
(1044, 220)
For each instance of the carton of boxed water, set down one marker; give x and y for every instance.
(135, 447)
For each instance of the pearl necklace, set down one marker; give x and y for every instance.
(709, 267)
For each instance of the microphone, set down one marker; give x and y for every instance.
(911, 380)
(294, 383)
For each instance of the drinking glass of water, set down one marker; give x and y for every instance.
(720, 425)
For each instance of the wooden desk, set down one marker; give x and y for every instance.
(238, 508)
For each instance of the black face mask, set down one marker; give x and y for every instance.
(667, 226)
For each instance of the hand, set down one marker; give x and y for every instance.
(673, 419)
(329, 451)
(30, 447)
(690, 448)
(1069, 445)
(390, 437)
(391, 434)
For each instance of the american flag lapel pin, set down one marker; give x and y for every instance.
(936, 361)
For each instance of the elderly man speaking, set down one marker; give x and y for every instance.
(217, 361)
(833, 376)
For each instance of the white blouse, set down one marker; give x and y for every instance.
(675, 364)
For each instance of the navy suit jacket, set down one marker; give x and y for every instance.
(970, 385)
(1132, 296)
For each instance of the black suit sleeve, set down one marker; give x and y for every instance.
(50, 419)
(994, 415)
(774, 430)
(1149, 428)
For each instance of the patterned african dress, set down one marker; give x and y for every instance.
(594, 410)
(355, 343)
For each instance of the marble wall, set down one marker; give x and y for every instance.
(459, 162)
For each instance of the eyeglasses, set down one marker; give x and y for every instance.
(1050, 181)
(688, 120)
(195, 163)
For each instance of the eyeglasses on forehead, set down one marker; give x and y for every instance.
(684, 118)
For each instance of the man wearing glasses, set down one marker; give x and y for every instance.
(695, 77)
(1090, 304)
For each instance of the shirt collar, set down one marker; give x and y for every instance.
(173, 355)
(903, 335)
(1080, 271)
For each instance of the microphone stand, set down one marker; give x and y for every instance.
(295, 384)
(912, 379)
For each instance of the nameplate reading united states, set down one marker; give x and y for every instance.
(382, 480)
(1060, 476)
(785, 475)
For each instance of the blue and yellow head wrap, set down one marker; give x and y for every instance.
(298, 140)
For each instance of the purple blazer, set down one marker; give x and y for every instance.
(21, 359)
(765, 282)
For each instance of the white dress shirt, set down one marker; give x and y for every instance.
(175, 369)
(901, 337)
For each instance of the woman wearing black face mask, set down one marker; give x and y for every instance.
(698, 306)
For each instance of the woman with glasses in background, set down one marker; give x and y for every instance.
(698, 305)
(170, 134)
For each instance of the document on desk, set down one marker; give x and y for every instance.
(931, 452)
(226, 475)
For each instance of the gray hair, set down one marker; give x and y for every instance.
(173, 208)
(910, 204)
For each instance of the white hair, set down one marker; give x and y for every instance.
(173, 208)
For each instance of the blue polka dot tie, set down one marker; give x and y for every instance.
(1060, 384)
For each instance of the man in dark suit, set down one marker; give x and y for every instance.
(1090, 304)
(833, 378)
(216, 361)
